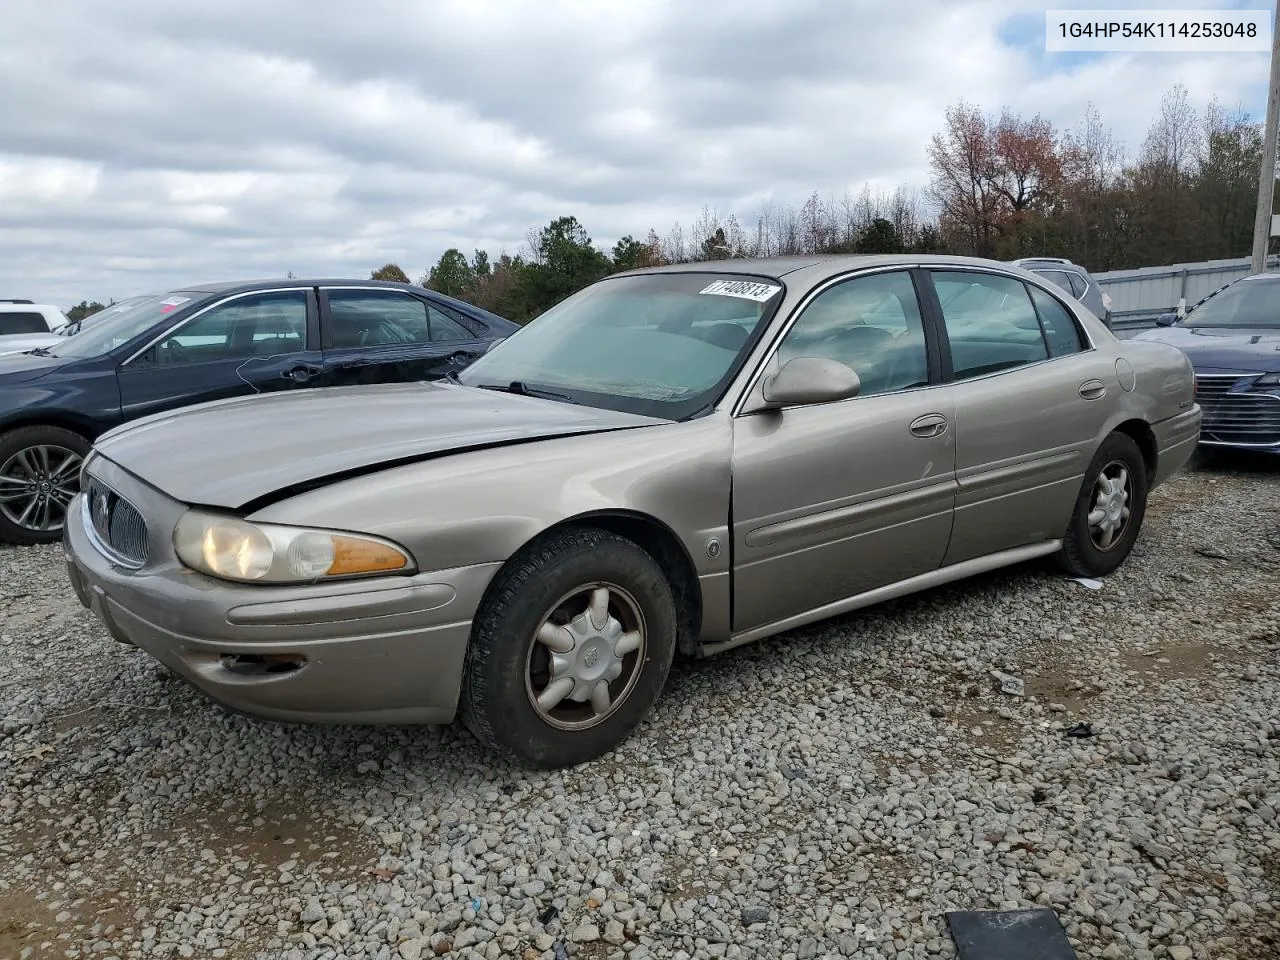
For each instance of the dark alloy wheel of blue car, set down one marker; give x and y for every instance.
(151, 354)
(1232, 338)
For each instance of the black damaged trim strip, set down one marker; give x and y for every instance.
(305, 486)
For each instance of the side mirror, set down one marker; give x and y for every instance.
(1166, 320)
(805, 380)
(493, 343)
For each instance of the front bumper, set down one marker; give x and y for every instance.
(385, 650)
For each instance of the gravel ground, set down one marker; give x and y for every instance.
(829, 793)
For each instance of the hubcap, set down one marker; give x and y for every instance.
(37, 485)
(585, 657)
(1109, 514)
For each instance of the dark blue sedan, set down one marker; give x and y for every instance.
(201, 343)
(1232, 338)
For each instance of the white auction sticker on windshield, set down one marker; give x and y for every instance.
(746, 289)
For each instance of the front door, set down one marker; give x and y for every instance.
(374, 335)
(834, 499)
(249, 343)
(1031, 402)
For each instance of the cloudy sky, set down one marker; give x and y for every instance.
(146, 143)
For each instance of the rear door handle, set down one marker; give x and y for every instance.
(930, 425)
(300, 373)
(1093, 389)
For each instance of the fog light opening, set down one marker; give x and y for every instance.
(261, 664)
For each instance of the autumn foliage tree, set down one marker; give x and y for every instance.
(389, 271)
(1001, 185)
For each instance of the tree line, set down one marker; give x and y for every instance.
(1000, 186)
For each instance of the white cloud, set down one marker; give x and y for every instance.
(149, 143)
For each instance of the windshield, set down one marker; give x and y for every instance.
(120, 323)
(661, 344)
(1247, 304)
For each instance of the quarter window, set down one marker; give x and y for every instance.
(1078, 286)
(258, 325)
(870, 323)
(22, 322)
(990, 321)
(371, 318)
(1060, 330)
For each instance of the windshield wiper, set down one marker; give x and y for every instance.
(38, 352)
(524, 390)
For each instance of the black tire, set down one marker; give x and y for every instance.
(1081, 556)
(26, 438)
(496, 700)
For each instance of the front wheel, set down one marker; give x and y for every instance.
(570, 650)
(39, 475)
(1109, 510)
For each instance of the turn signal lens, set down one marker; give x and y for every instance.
(357, 555)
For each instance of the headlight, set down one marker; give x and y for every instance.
(1268, 380)
(235, 549)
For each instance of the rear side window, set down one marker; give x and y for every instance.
(1060, 331)
(990, 321)
(1058, 278)
(22, 322)
(1078, 286)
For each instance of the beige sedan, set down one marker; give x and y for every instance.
(682, 459)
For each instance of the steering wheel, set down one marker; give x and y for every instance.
(174, 352)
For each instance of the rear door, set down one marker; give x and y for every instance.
(378, 335)
(1031, 400)
(247, 343)
(831, 500)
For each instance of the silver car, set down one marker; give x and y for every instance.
(682, 459)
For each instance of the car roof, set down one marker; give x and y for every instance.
(27, 307)
(246, 286)
(818, 266)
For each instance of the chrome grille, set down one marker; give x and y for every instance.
(119, 529)
(1232, 415)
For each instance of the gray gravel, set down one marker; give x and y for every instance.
(829, 793)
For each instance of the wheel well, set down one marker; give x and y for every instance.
(41, 418)
(657, 540)
(1141, 433)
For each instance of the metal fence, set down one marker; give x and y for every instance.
(1139, 296)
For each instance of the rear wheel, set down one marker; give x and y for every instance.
(571, 649)
(1109, 510)
(39, 475)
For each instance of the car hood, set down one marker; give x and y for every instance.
(20, 367)
(230, 453)
(18, 342)
(1211, 348)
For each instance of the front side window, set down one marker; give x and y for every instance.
(871, 324)
(257, 325)
(660, 344)
(376, 318)
(990, 321)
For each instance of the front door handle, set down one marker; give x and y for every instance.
(1093, 389)
(930, 425)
